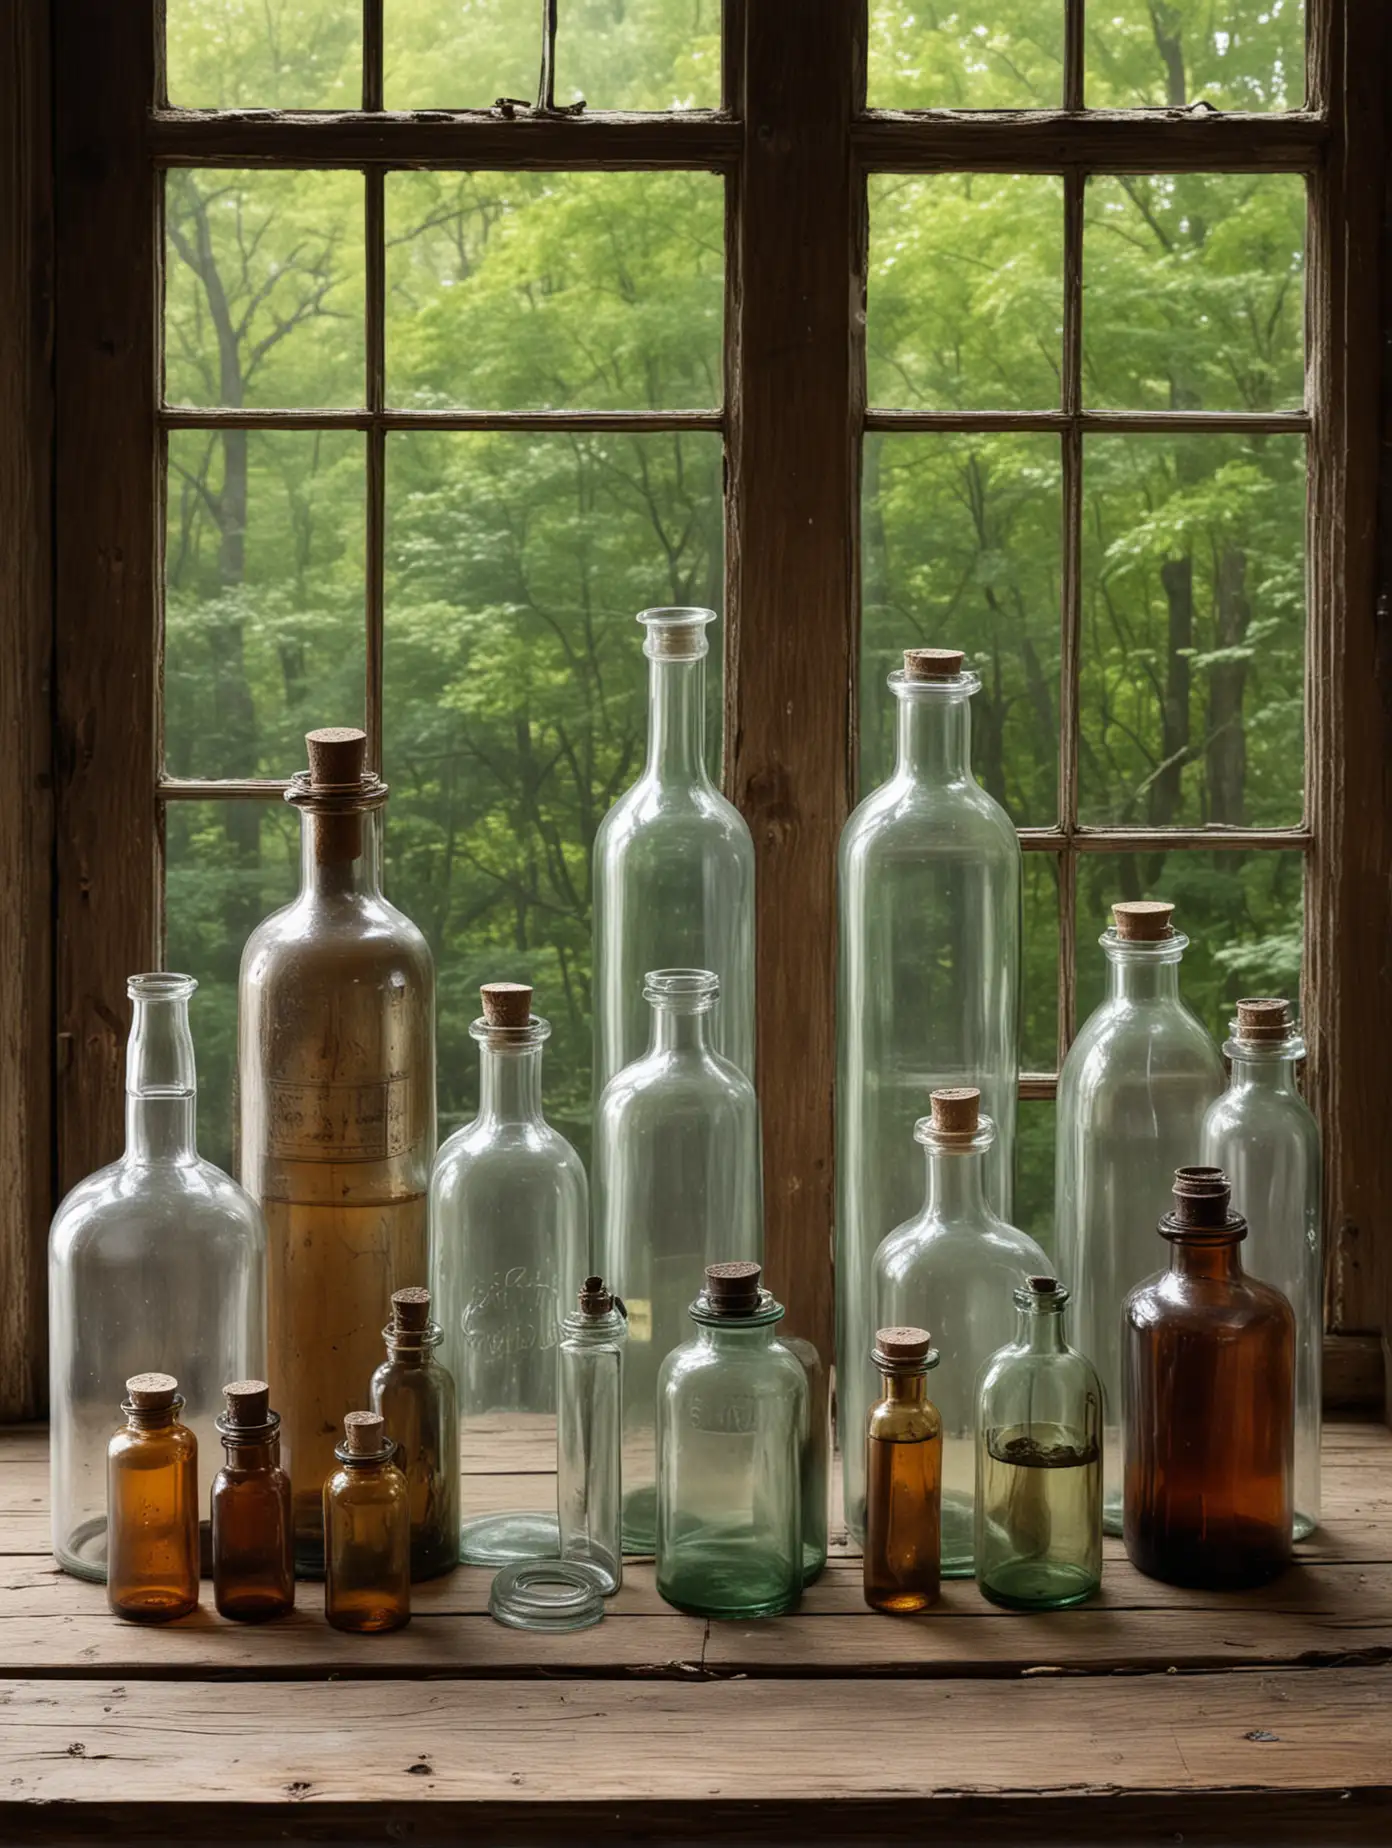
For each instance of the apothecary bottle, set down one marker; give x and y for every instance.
(731, 1418)
(673, 879)
(1132, 1094)
(152, 1505)
(157, 1262)
(1261, 1133)
(1039, 1463)
(1208, 1403)
(902, 1565)
(956, 1262)
(367, 1531)
(415, 1395)
(336, 1082)
(253, 1524)
(510, 1244)
(677, 1186)
(928, 994)
(589, 1433)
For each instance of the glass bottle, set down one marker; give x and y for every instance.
(253, 1527)
(673, 877)
(731, 1422)
(415, 1396)
(816, 1457)
(1131, 1100)
(589, 1434)
(903, 1477)
(1208, 1398)
(152, 1505)
(510, 1245)
(959, 1261)
(336, 1082)
(1039, 1464)
(1262, 1135)
(367, 1531)
(928, 995)
(158, 1261)
(677, 1187)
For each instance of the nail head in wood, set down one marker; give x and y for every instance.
(932, 663)
(1143, 920)
(957, 1112)
(507, 1004)
(337, 754)
(152, 1392)
(248, 1404)
(1264, 1018)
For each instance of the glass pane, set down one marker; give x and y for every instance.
(1234, 54)
(1039, 1005)
(516, 291)
(1194, 292)
(274, 54)
(989, 54)
(965, 291)
(960, 548)
(264, 597)
(1193, 647)
(441, 54)
(515, 702)
(263, 295)
(1034, 1170)
(639, 54)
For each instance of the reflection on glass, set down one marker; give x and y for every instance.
(989, 54)
(276, 54)
(1233, 54)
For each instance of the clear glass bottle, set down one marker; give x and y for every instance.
(902, 1566)
(1208, 1402)
(1131, 1100)
(731, 1422)
(367, 1531)
(957, 1261)
(673, 877)
(156, 1262)
(1262, 1135)
(415, 1396)
(928, 996)
(510, 1245)
(1039, 1463)
(589, 1434)
(253, 1526)
(816, 1458)
(336, 1090)
(677, 1187)
(152, 1505)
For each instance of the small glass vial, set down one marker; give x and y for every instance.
(1039, 1464)
(253, 1522)
(903, 1477)
(367, 1531)
(415, 1396)
(152, 1505)
(589, 1434)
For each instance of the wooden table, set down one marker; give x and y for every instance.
(1149, 1716)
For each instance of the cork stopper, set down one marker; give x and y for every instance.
(411, 1309)
(1143, 920)
(733, 1289)
(902, 1344)
(152, 1392)
(337, 754)
(1264, 1020)
(1202, 1200)
(1043, 1286)
(932, 663)
(507, 1004)
(248, 1404)
(364, 1434)
(595, 1297)
(957, 1112)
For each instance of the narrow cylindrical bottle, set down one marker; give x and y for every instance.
(589, 1434)
(367, 1531)
(152, 1505)
(253, 1526)
(903, 1476)
(415, 1396)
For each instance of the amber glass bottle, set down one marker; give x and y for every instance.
(253, 1534)
(415, 1396)
(152, 1505)
(367, 1531)
(1208, 1402)
(903, 1478)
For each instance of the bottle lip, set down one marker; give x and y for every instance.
(1042, 1295)
(160, 985)
(352, 1458)
(428, 1337)
(1263, 1052)
(611, 1325)
(371, 793)
(954, 1142)
(152, 1414)
(768, 1312)
(676, 632)
(952, 687)
(682, 991)
(536, 1033)
(246, 1434)
(897, 1368)
(1121, 949)
(553, 1595)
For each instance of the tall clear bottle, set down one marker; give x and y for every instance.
(509, 1221)
(1261, 1133)
(929, 997)
(156, 1263)
(677, 1187)
(336, 1081)
(673, 865)
(1131, 1101)
(589, 1436)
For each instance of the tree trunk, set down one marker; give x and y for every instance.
(1227, 737)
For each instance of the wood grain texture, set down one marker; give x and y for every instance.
(1103, 140)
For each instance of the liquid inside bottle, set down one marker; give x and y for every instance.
(415, 1396)
(903, 1475)
(152, 1505)
(367, 1528)
(253, 1529)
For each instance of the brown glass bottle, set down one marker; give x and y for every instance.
(1208, 1407)
(903, 1478)
(253, 1533)
(416, 1398)
(152, 1505)
(367, 1531)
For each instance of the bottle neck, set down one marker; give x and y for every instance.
(905, 1388)
(677, 721)
(1041, 1331)
(510, 1083)
(1142, 978)
(934, 738)
(152, 1423)
(1262, 1072)
(680, 1030)
(251, 1453)
(737, 1337)
(161, 1082)
(413, 1349)
(340, 854)
(956, 1190)
(1215, 1260)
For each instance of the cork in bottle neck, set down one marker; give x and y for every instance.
(596, 1298)
(365, 1438)
(733, 1288)
(903, 1351)
(1202, 1208)
(932, 663)
(153, 1392)
(1143, 920)
(248, 1404)
(506, 1004)
(1264, 1021)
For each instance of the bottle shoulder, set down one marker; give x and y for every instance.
(184, 1201)
(651, 804)
(1154, 1039)
(893, 1422)
(904, 816)
(986, 1245)
(653, 1084)
(350, 938)
(1227, 1307)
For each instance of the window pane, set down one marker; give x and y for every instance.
(1034, 1171)
(460, 54)
(965, 291)
(263, 288)
(989, 54)
(264, 597)
(1194, 292)
(1193, 631)
(1039, 1008)
(960, 548)
(596, 291)
(1234, 54)
(515, 704)
(639, 54)
(265, 54)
